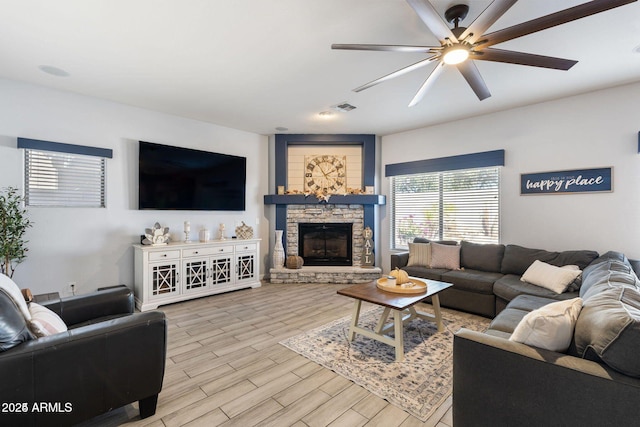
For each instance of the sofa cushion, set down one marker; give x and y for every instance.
(472, 280)
(445, 256)
(517, 259)
(556, 279)
(510, 286)
(507, 320)
(13, 325)
(419, 254)
(45, 322)
(608, 329)
(549, 327)
(606, 274)
(483, 257)
(424, 272)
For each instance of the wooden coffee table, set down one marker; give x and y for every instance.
(402, 307)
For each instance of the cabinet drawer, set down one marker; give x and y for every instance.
(212, 250)
(161, 256)
(246, 247)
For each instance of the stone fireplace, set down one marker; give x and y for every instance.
(296, 209)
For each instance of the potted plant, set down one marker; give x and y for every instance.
(13, 226)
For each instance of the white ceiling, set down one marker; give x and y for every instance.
(256, 65)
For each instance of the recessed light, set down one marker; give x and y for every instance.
(325, 114)
(282, 129)
(54, 71)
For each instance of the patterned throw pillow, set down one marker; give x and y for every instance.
(445, 256)
(45, 322)
(419, 254)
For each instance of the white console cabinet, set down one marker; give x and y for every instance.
(181, 271)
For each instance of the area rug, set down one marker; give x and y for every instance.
(419, 384)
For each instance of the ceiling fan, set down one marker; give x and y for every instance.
(460, 45)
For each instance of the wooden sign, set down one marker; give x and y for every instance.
(367, 248)
(566, 182)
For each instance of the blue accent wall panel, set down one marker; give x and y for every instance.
(36, 144)
(463, 161)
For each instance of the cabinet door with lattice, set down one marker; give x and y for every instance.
(164, 279)
(221, 272)
(195, 274)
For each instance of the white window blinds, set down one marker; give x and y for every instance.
(58, 174)
(64, 179)
(448, 205)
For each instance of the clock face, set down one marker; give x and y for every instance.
(325, 172)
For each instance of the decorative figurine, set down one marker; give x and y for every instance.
(156, 236)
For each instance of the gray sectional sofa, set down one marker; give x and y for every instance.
(490, 274)
(596, 382)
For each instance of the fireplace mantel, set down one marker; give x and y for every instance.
(336, 199)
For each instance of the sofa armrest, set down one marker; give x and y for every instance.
(499, 382)
(399, 260)
(89, 369)
(81, 308)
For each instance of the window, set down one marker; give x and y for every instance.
(448, 204)
(64, 175)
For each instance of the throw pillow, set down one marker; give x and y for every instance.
(45, 322)
(549, 276)
(550, 327)
(445, 256)
(419, 254)
(14, 292)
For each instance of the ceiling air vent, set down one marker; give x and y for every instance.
(343, 107)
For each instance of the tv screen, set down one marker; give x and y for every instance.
(185, 179)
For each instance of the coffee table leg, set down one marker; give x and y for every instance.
(355, 316)
(383, 319)
(399, 335)
(435, 302)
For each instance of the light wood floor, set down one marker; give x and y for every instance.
(225, 367)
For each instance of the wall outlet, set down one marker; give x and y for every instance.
(72, 288)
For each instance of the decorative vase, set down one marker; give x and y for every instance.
(278, 251)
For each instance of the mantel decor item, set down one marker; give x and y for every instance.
(278, 251)
(204, 235)
(156, 236)
(221, 235)
(244, 231)
(567, 182)
(367, 248)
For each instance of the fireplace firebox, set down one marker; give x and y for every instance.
(325, 244)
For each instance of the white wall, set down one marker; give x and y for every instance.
(597, 129)
(93, 246)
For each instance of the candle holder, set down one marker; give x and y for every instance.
(186, 237)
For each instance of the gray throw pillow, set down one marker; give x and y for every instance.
(483, 257)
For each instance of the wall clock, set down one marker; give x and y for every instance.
(325, 172)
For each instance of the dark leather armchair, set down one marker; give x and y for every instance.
(109, 357)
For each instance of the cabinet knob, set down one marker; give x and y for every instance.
(164, 255)
(196, 252)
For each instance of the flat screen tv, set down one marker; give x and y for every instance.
(175, 178)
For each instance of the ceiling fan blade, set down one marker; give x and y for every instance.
(397, 73)
(486, 19)
(471, 74)
(512, 57)
(548, 21)
(387, 47)
(432, 20)
(427, 84)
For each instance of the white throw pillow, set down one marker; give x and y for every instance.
(550, 327)
(419, 254)
(14, 292)
(549, 276)
(445, 256)
(45, 322)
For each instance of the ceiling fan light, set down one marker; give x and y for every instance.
(455, 55)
